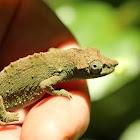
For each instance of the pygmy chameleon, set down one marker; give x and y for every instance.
(25, 81)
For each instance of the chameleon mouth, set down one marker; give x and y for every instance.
(108, 69)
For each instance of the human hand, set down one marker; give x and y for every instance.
(30, 26)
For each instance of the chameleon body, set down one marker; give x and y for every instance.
(26, 80)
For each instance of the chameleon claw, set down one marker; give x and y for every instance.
(70, 96)
(65, 93)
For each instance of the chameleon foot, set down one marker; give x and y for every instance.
(9, 117)
(63, 92)
(6, 116)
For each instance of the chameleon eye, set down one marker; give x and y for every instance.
(95, 66)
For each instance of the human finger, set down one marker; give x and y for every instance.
(58, 117)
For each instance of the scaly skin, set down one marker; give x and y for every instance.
(26, 80)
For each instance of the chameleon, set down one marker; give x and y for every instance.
(27, 79)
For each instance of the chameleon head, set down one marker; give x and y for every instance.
(98, 68)
(95, 64)
(101, 65)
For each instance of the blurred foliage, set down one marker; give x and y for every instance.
(112, 26)
(132, 132)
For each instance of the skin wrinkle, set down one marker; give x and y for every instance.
(5, 128)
